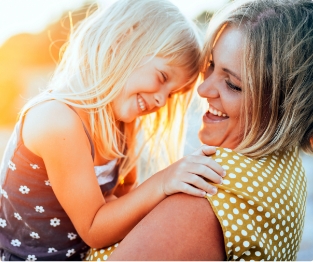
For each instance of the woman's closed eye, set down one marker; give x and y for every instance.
(232, 86)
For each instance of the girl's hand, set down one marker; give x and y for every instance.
(187, 174)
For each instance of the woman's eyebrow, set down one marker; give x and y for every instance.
(231, 73)
(225, 69)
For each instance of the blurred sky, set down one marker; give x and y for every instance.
(21, 16)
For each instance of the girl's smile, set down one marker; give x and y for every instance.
(148, 88)
(141, 103)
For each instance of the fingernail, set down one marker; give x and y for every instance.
(214, 190)
(221, 183)
(224, 173)
(204, 193)
(208, 195)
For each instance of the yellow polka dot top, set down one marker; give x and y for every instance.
(261, 205)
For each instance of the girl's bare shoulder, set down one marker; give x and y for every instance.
(49, 123)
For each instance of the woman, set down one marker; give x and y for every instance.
(258, 69)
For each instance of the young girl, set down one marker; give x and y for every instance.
(73, 149)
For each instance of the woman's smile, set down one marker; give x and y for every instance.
(223, 122)
(214, 114)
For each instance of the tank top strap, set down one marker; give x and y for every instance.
(19, 128)
(87, 133)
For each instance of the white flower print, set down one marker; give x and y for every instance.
(3, 222)
(12, 165)
(4, 193)
(17, 216)
(34, 235)
(70, 252)
(55, 222)
(71, 236)
(39, 209)
(24, 189)
(31, 258)
(34, 166)
(16, 242)
(51, 250)
(47, 183)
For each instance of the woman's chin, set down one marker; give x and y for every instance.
(206, 138)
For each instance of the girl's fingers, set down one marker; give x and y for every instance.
(190, 190)
(205, 150)
(201, 156)
(207, 167)
(196, 181)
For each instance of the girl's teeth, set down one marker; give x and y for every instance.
(141, 104)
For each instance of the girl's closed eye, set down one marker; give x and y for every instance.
(232, 86)
(164, 76)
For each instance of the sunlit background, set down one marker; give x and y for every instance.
(31, 33)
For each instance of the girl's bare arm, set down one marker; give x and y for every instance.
(55, 133)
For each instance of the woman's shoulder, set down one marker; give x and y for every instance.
(265, 195)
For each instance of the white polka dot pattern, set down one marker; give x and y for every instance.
(261, 205)
(100, 254)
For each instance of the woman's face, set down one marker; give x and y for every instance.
(222, 124)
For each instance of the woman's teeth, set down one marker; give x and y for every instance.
(216, 112)
(141, 103)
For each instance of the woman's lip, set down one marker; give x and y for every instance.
(210, 118)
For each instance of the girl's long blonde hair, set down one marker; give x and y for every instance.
(99, 57)
(277, 72)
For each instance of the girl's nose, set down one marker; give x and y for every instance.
(160, 99)
(208, 89)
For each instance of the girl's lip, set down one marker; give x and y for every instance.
(210, 118)
(145, 103)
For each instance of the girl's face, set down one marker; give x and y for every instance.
(222, 124)
(148, 88)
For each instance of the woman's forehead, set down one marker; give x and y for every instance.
(228, 51)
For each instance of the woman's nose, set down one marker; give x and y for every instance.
(207, 89)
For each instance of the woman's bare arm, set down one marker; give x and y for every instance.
(181, 227)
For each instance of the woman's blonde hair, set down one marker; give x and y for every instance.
(277, 71)
(101, 54)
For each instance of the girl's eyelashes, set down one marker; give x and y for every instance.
(164, 76)
(232, 86)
